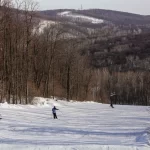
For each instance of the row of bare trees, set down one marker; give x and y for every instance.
(16, 36)
(36, 61)
(130, 87)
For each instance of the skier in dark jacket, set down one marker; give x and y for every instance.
(112, 99)
(54, 112)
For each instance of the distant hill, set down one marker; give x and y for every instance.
(85, 21)
(116, 17)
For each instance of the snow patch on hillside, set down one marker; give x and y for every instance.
(78, 17)
(43, 24)
(64, 13)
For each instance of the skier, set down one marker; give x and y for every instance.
(112, 97)
(54, 112)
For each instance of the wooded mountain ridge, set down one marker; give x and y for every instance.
(121, 20)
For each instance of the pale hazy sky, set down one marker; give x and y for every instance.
(134, 6)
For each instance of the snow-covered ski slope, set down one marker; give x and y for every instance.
(80, 126)
(79, 17)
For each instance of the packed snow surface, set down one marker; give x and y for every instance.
(80, 126)
(80, 17)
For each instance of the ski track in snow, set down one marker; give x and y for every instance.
(80, 126)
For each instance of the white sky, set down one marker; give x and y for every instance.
(134, 6)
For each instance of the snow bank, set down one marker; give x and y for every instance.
(6, 105)
(45, 102)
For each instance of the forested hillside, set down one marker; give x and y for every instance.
(54, 53)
